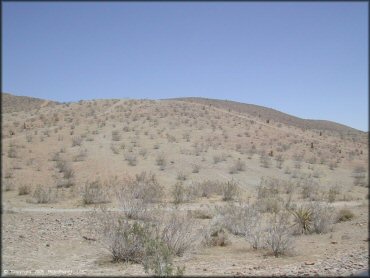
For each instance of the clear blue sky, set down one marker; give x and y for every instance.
(306, 59)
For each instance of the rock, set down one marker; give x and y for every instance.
(334, 242)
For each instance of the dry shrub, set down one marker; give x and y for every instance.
(215, 236)
(242, 220)
(181, 176)
(207, 188)
(44, 194)
(131, 158)
(116, 136)
(95, 192)
(279, 235)
(322, 217)
(161, 160)
(8, 185)
(196, 168)
(269, 187)
(135, 194)
(152, 244)
(333, 192)
(345, 215)
(270, 205)
(24, 189)
(230, 190)
(177, 233)
(359, 176)
(200, 214)
(76, 141)
(310, 189)
(239, 165)
(181, 193)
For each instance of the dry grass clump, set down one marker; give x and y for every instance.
(265, 161)
(181, 176)
(359, 176)
(8, 185)
(195, 168)
(24, 189)
(345, 215)
(219, 158)
(77, 141)
(116, 136)
(200, 214)
(131, 158)
(161, 161)
(230, 190)
(332, 193)
(80, 156)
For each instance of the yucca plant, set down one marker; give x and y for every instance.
(303, 219)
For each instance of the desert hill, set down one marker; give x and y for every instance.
(269, 114)
(13, 103)
(211, 167)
